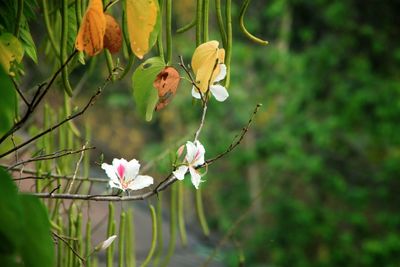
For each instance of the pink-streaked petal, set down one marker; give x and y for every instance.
(199, 159)
(117, 163)
(110, 171)
(132, 170)
(141, 181)
(195, 177)
(180, 172)
(191, 151)
(219, 92)
(222, 73)
(195, 93)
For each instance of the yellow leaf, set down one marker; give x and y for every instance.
(11, 51)
(206, 62)
(93, 27)
(142, 22)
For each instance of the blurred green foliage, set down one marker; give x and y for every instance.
(325, 146)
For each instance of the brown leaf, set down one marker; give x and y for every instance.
(166, 83)
(113, 35)
(92, 29)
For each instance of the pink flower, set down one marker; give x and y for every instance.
(124, 175)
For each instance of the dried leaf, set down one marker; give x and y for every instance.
(206, 62)
(113, 35)
(166, 83)
(93, 27)
(143, 25)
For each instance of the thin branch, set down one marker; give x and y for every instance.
(203, 117)
(165, 183)
(71, 117)
(77, 167)
(54, 155)
(70, 247)
(20, 93)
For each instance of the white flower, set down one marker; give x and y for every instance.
(218, 91)
(194, 157)
(106, 243)
(124, 175)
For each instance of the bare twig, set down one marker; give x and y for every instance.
(70, 247)
(20, 93)
(77, 167)
(54, 155)
(203, 117)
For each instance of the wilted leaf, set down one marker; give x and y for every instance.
(113, 35)
(143, 90)
(10, 50)
(166, 83)
(206, 63)
(93, 27)
(7, 102)
(143, 25)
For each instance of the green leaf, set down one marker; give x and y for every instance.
(11, 219)
(37, 248)
(7, 102)
(10, 50)
(145, 94)
(28, 43)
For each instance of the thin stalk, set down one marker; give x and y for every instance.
(60, 245)
(172, 227)
(220, 21)
(88, 242)
(160, 244)
(199, 10)
(20, 10)
(63, 46)
(109, 251)
(78, 235)
(160, 33)
(128, 66)
(168, 29)
(200, 213)
(228, 49)
(71, 232)
(130, 258)
(206, 11)
(110, 63)
(243, 28)
(121, 240)
(181, 217)
(154, 239)
(187, 26)
(48, 27)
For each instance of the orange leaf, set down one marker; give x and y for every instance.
(93, 27)
(113, 35)
(166, 83)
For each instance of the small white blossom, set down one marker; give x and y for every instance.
(124, 175)
(194, 157)
(106, 243)
(218, 91)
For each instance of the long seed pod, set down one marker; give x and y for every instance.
(154, 239)
(60, 245)
(228, 49)
(172, 227)
(130, 256)
(63, 47)
(199, 13)
(110, 63)
(160, 33)
(160, 244)
(71, 232)
(78, 12)
(243, 28)
(200, 212)
(128, 66)
(78, 236)
(20, 10)
(181, 217)
(110, 232)
(220, 21)
(206, 11)
(187, 26)
(122, 234)
(88, 242)
(168, 29)
(48, 28)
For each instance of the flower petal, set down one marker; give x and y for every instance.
(195, 177)
(119, 167)
(222, 73)
(180, 172)
(191, 151)
(219, 92)
(195, 93)
(113, 184)
(141, 181)
(110, 171)
(199, 157)
(131, 170)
